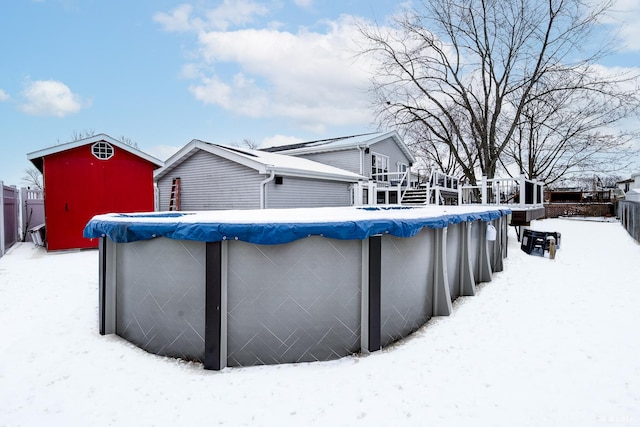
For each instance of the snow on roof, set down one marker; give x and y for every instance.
(633, 195)
(37, 156)
(263, 162)
(341, 143)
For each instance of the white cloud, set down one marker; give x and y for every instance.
(623, 18)
(4, 96)
(229, 13)
(306, 4)
(178, 20)
(50, 98)
(630, 32)
(313, 78)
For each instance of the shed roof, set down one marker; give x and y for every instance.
(37, 156)
(261, 161)
(343, 143)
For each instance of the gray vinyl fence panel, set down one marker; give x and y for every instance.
(32, 208)
(629, 213)
(9, 208)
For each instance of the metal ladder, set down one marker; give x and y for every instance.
(174, 200)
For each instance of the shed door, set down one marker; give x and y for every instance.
(75, 204)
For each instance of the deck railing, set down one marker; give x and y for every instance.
(443, 189)
(391, 179)
(505, 191)
(397, 182)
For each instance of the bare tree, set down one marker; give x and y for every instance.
(569, 133)
(82, 134)
(32, 178)
(246, 143)
(87, 133)
(128, 141)
(483, 81)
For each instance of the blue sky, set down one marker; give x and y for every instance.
(164, 72)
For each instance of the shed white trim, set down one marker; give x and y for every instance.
(36, 156)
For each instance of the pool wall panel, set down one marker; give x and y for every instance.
(234, 303)
(297, 302)
(160, 296)
(407, 284)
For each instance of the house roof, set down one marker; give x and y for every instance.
(364, 140)
(37, 156)
(261, 161)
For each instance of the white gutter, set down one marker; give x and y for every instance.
(263, 185)
(346, 177)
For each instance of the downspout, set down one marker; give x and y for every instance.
(263, 192)
(359, 184)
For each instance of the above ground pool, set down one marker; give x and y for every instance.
(253, 287)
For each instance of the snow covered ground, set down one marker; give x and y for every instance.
(546, 343)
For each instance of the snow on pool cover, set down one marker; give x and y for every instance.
(277, 226)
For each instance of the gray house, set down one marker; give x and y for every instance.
(206, 176)
(384, 158)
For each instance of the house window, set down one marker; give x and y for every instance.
(102, 150)
(379, 167)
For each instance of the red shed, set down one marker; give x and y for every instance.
(88, 177)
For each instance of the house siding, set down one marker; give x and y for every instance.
(307, 193)
(348, 160)
(389, 148)
(209, 182)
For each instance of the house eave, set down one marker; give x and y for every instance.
(314, 175)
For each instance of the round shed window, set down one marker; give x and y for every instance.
(102, 150)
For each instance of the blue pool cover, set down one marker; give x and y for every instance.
(269, 227)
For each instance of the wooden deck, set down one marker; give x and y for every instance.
(524, 216)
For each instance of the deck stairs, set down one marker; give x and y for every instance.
(415, 196)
